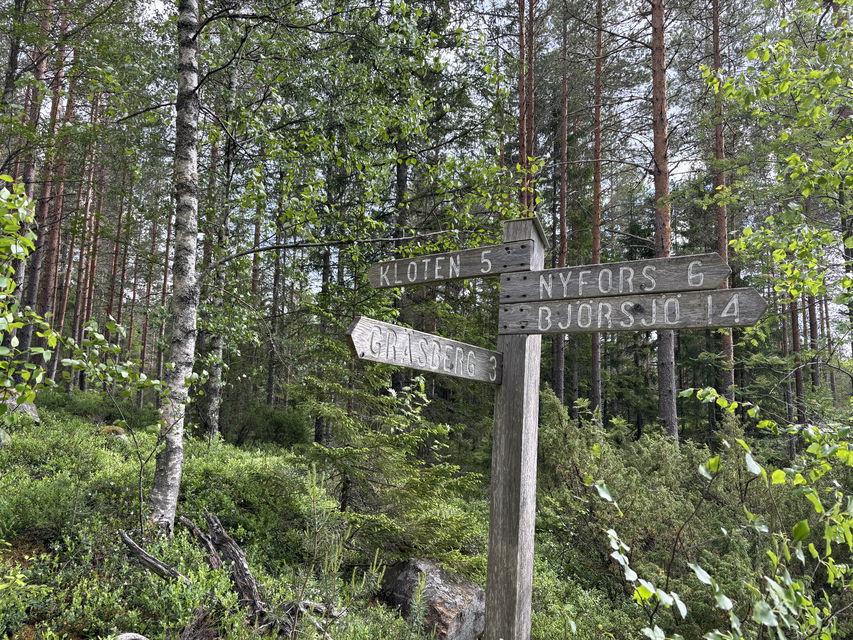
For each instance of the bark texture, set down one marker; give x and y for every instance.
(663, 229)
(720, 182)
(170, 460)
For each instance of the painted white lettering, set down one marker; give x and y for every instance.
(732, 309)
(425, 262)
(375, 341)
(568, 317)
(455, 264)
(383, 275)
(544, 318)
(447, 357)
(695, 279)
(435, 360)
(391, 344)
(602, 279)
(581, 283)
(459, 360)
(396, 276)
(649, 274)
(493, 374)
(671, 311)
(626, 280)
(710, 309)
(604, 311)
(438, 260)
(627, 309)
(423, 359)
(654, 317)
(412, 271)
(487, 264)
(469, 368)
(545, 285)
(588, 308)
(564, 280)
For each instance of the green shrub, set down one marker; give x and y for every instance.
(263, 423)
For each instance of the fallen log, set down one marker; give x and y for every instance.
(150, 562)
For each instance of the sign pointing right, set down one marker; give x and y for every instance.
(655, 275)
(685, 310)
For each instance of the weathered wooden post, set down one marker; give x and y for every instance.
(513, 510)
(640, 295)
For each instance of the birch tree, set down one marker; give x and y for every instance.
(184, 306)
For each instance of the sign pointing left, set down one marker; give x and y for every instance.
(392, 344)
(438, 267)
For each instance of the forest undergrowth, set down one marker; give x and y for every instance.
(681, 515)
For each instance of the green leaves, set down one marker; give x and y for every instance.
(801, 530)
(763, 614)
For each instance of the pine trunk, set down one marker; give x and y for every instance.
(663, 230)
(720, 182)
(559, 340)
(596, 189)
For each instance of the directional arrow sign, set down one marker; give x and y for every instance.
(389, 343)
(437, 267)
(686, 310)
(659, 275)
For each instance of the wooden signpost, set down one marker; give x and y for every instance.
(657, 275)
(389, 343)
(469, 263)
(641, 295)
(688, 310)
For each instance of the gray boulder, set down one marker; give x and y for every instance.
(5, 439)
(455, 608)
(27, 408)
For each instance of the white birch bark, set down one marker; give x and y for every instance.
(184, 306)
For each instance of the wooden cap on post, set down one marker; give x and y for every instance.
(512, 227)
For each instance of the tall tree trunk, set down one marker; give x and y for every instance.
(596, 188)
(31, 297)
(720, 182)
(149, 279)
(813, 340)
(274, 304)
(114, 271)
(33, 116)
(48, 297)
(83, 253)
(559, 340)
(788, 390)
(830, 347)
(215, 344)
(164, 287)
(530, 94)
(663, 230)
(19, 13)
(170, 460)
(523, 152)
(799, 387)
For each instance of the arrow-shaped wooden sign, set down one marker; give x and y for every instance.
(437, 267)
(392, 344)
(686, 310)
(658, 275)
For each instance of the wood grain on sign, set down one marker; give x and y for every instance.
(658, 275)
(437, 267)
(685, 310)
(392, 344)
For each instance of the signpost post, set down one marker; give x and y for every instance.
(642, 295)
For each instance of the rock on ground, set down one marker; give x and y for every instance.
(27, 408)
(5, 439)
(455, 608)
